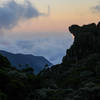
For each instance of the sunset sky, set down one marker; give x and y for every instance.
(62, 14)
(37, 26)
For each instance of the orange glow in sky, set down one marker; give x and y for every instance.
(63, 13)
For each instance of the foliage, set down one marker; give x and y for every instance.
(76, 78)
(4, 62)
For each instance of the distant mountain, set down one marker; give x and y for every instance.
(21, 61)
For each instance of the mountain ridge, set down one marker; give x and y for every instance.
(21, 61)
(76, 78)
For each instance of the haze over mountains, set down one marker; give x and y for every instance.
(76, 78)
(21, 61)
(46, 46)
(32, 31)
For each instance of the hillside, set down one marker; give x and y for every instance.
(76, 78)
(21, 61)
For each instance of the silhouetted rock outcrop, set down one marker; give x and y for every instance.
(86, 42)
(80, 68)
(76, 78)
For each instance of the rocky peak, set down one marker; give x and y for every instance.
(86, 42)
(76, 30)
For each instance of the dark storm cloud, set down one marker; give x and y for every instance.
(12, 12)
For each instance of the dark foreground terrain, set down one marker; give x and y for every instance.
(21, 61)
(76, 78)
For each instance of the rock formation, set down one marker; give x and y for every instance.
(86, 42)
(80, 68)
(76, 78)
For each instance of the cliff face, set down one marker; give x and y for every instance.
(86, 42)
(78, 76)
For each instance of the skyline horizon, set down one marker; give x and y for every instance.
(39, 25)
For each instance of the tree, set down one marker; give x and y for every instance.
(46, 66)
(4, 62)
(29, 70)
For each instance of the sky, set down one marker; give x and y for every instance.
(40, 27)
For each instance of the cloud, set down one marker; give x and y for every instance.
(51, 47)
(11, 13)
(96, 9)
(25, 44)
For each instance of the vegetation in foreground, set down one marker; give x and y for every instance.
(76, 78)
